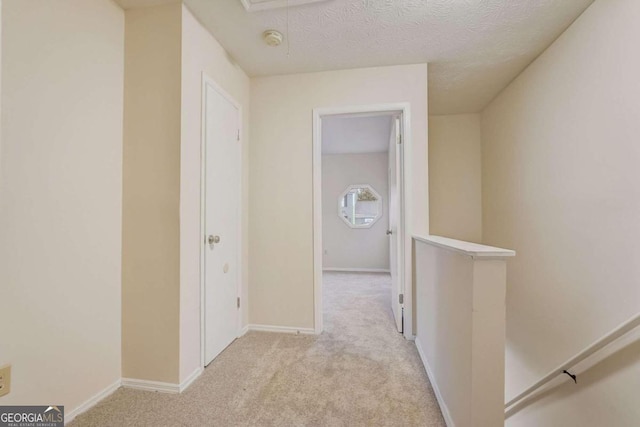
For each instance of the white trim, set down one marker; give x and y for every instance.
(473, 250)
(357, 270)
(206, 80)
(281, 329)
(375, 193)
(133, 383)
(243, 331)
(317, 221)
(162, 387)
(432, 379)
(157, 386)
(190, 379)
(92, 401)
(405, 219)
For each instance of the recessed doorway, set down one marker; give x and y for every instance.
(360, 202)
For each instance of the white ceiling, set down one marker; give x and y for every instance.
(356, 135)
(474, 47)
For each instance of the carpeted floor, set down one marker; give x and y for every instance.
(359, 372)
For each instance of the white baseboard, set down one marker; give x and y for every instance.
(156, 386)
(135, 384)
(190, 379)
(92, 401)
(432, 379)
(281, 329)
(243, 331)
(357, 270)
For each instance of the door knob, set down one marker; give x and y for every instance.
(213, 239)
(389, 232)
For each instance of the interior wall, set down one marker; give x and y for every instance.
(280, 182)
(455, 177)
(60, 199)
(202, 53)
(151, 194)
(560, 186)
(605, 395)
(354, 248)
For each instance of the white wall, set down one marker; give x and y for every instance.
(461, 322)
(560, 186)
(345, 247)
(606, 395)
(455, 177)
(280, 181)
(201, 52)
(60, 199)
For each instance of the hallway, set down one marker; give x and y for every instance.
(360, 371)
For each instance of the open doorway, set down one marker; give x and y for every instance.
(359, 209)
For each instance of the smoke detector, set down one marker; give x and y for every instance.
(272, 37)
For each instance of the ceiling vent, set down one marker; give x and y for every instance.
(257, 5)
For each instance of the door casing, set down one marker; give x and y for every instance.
(207, 81)
(406, 286)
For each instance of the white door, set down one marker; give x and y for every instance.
(221, 221)
(395, 222)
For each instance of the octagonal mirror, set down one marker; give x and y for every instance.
(360, 206)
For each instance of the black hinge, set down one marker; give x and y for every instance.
(401, 298)
(238, 302)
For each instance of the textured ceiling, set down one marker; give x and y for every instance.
(356, 135)
(474, 47)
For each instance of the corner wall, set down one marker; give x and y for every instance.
(61, 199)
(151, 195)
(455, 177)
(560, 158)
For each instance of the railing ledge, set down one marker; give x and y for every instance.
(474, 250)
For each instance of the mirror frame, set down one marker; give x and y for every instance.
(375, 193)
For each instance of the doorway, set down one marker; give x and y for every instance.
(362, 208)
(220, 223)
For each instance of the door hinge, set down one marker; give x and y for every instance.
(238, 135)
(400, 138)
(401, 298)
(238, 302)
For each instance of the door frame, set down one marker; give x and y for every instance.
(404, 110)
(209, 82)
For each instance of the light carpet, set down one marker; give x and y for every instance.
(359, 372)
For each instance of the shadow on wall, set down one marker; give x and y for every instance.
(569, 396)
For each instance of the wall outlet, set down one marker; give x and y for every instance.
(5, 379)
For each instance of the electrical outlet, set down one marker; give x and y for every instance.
(5, 379)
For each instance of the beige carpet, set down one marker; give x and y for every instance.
(359, 372)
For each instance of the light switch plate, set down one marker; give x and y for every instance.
(5, 380)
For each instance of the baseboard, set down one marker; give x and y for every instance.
(243, 331)
(92, 401)
(190, 379)
(281, 329)
(357, 270)
(156, 386)
(432, 379)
